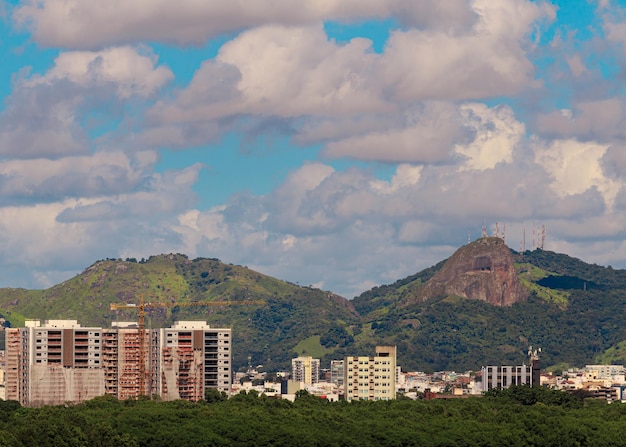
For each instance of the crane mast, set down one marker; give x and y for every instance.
(141, 322)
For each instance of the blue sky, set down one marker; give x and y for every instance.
(340, 144)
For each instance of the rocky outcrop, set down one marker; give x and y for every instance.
(482, 270)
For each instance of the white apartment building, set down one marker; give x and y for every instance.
(305, 370)
(371, 378)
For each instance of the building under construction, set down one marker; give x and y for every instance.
(59, 361)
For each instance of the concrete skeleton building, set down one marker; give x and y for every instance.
(59, 361)
(371, 378)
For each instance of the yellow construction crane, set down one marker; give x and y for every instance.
(141, 323)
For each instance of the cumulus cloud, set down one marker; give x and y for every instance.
(44, 116)
(496, 131)
(427, 136)
(599, 120)
(102, 173)
(96, 24)
(330, 91)
(576, 167)
(425, 104)
(129, 70)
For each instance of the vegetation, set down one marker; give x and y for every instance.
(268, 333)
(574, 312)
(516, 417)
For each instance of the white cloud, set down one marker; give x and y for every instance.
(575, 168)
(84, 176)
(598, 119)
(129, 70)
(351, 97)
(497, 132)
(427, 136)
(98, 24)
(46, 115)
(488, 60)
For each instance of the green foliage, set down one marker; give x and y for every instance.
(526, 395)
(268, 332)
(519, 417)
(211, 395)
(574, 326)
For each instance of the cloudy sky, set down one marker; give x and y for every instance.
(336, 143)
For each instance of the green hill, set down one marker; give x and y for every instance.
(269, 333)
(574, 313)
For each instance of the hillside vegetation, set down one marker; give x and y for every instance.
(574, 312)
(268, 332)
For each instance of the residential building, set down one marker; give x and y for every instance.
(52, 363)
(123, 350)
(337, 373)
(59, 361)
(305, 370)
(505, 376)
(371, 378)
(193, 357)
(614, 373)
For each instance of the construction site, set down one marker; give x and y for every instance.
(58, 361)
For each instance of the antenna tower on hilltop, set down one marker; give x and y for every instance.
(484, 230)
(543, 237)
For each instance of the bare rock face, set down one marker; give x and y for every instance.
(482, 270)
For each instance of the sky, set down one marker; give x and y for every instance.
(340, 144)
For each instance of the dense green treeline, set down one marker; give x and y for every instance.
(519, 417)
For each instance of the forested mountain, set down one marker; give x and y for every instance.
(270, 333)
(573, 311)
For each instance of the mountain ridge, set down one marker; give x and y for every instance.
(572, 311)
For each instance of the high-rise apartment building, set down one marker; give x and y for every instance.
(371, 378)
(193, 357)
(59, 361)
(53, 363)
(306, 370)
